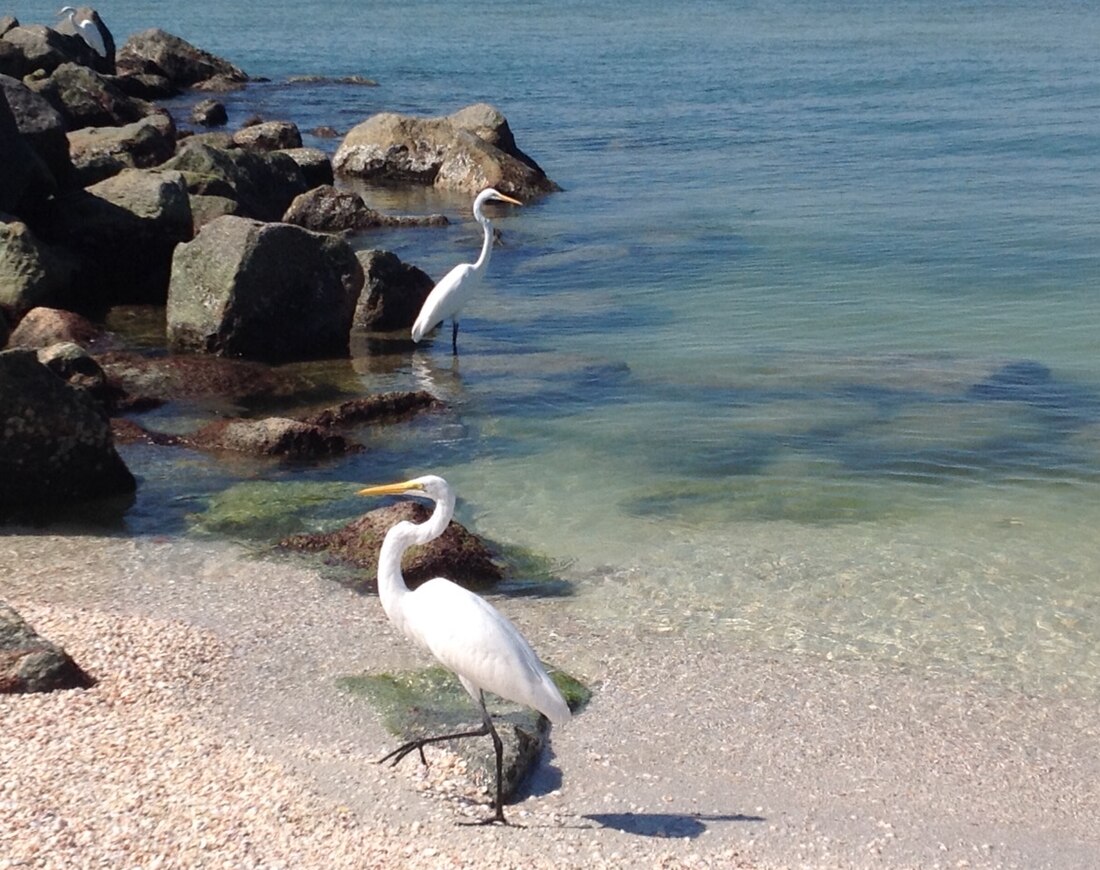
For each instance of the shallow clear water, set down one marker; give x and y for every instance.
(805, 353)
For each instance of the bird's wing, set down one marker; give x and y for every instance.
(476, 641)
(92, 36)
(446, 299)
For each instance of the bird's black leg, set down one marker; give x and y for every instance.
(454, 338)
(498, 746)
(420, 742)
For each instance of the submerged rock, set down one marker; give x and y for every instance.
(150, 381)
(30, 663)
(457, 554)
(383, 407)
(126, 431)
(1034, 384)
(272, 436)
(326, 209)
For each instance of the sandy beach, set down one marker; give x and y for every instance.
(217, 737)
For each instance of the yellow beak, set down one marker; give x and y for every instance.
(501, 196)
(391, 488)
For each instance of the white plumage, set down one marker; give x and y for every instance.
(88, 30)
(462, 630)
(450, 295)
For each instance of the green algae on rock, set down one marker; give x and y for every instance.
(431, 700)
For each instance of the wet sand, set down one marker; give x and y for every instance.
(217, 737)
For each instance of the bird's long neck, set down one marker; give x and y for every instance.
(487, 243)
(391, 582)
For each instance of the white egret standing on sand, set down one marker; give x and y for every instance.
(88, 30)
(453, 290)
(464, 631)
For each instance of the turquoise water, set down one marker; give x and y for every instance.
(805, 354)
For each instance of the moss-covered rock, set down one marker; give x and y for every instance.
(432, 701)
(457, 554)
(265, 510)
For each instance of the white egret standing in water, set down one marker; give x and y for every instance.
(87, 29)
(453, 290)
(464, 631)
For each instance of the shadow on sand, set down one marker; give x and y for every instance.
(665, 824)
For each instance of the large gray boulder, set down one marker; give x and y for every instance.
(30, 663)
(87, 99)
(269, 292)
(42, 127)
(159, 53)
(99, 152)
(55, 441)
(25, 181)
(393, 292)
(32, 273)
(37, 49)
(262, 183)
(325, 209)
(315, 164)
(468, 151)
(125, 229)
